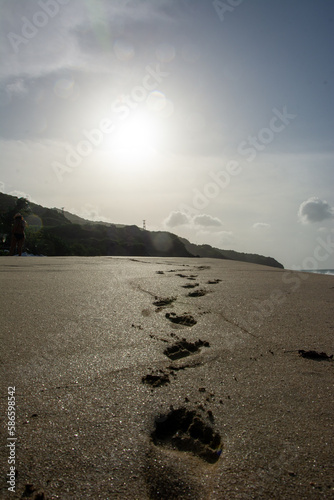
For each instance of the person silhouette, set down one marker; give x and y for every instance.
(18, 235)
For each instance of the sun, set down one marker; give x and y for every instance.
(136, 138)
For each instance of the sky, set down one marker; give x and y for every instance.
(209, 119)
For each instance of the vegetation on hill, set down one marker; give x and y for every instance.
(52, 232)
(216, 253)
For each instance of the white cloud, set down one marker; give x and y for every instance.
(207, 221)
(315, 210)
(90, 212)
(261, 225)
(21, 194)
(17, 87)
(177, 219)
(202, 220)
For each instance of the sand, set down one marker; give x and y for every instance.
(146, 378)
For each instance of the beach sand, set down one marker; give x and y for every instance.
(127, 387)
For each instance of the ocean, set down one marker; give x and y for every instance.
(319, 271)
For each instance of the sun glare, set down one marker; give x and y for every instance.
(136, 139)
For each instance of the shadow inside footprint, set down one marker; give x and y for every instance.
(190, 285)
(213, 282)
(156, 380)
(197, 293)
(189, 277)
(183, 348)
(317, 356)
(182, 319)
(34, 493)
(185, 430)
(161, 302)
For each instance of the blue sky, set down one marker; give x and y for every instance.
(213, 120)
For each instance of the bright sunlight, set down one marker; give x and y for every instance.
(136, 139)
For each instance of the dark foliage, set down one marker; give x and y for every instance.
(51, 231)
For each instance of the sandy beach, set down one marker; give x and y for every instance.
(165, 378)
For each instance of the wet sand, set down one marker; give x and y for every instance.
(147, 378)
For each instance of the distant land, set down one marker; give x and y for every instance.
(54, 232)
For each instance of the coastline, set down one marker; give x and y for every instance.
(329, 272)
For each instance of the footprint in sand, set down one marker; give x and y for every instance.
(317, 356)
(183, 348)
(161, 377)
(163, 301)
(186, 431)
(33, 493)
(189, 277)
(190, 285)
(182, 319)
(198, 293)
(156, 379)
(213, 282)
(180, 349)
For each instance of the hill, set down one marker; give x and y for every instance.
(52, 231)
(217, 253)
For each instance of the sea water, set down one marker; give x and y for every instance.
(319, 271)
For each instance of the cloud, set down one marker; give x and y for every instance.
(207, 221)
(17, 87)
(21, 194)
(89, 212)
(202, 220)
(177, 219)
(36, 43)
(261, 225)
(75, 36)
(315, 210)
